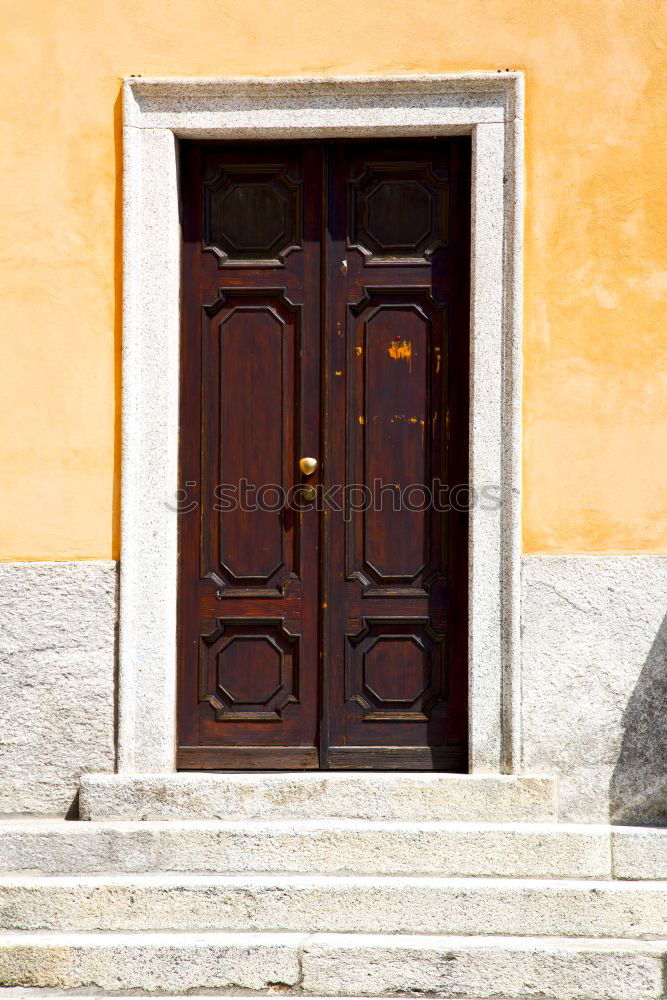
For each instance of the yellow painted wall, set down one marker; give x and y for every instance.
(595, 355)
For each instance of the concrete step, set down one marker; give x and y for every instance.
(21, 993)
(27, 993)
(539, 850)
(318, 795)
(639, 852)
(482, 966)
(328, 903)
(338, 964)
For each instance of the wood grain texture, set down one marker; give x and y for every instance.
(325, 313)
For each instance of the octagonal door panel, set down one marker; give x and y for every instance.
(325, 314)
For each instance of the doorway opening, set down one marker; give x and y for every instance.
(324, 415)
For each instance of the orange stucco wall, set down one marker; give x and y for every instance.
(595, 358)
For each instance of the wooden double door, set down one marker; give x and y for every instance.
(323, 607)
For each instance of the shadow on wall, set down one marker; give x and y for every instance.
(638, 790)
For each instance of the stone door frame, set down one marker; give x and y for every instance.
(156, 114)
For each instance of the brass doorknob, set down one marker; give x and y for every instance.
(307, 465)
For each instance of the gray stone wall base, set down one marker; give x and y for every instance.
(57, 666)
(594, 683)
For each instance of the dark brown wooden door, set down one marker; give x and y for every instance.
(325, 314)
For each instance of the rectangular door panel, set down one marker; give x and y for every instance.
(396, 390)
(252, 346)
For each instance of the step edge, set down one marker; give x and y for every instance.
(302, 941)
(328, 880)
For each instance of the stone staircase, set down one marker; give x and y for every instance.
(337, 885)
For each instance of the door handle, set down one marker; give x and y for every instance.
(307, 465)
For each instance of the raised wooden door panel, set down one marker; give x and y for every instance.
(250, 405)
(325, 313)
(395, 446)
(397, 290)
(397, 207)
(253, 211)
(252, 347)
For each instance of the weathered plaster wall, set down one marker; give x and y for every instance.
(596, 239)
(57, 652)
(594, 683)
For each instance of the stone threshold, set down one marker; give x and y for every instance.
(315, 794)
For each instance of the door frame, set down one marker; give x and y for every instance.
(156, 114)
